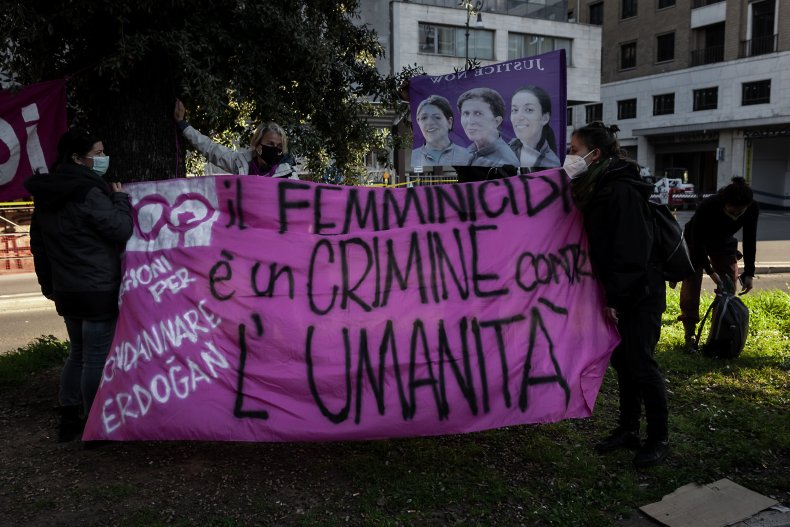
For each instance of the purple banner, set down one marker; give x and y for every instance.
(31, 123)
(510, 113)
(256, 309)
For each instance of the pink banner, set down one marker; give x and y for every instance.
(31, 123)
(257, 309)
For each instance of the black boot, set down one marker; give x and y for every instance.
(618, 438)
(652, 453)
(71, 424)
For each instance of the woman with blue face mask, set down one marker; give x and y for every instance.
(714, 249)
(612, 197)
(79, 228)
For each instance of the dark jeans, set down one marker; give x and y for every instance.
(638, 377)
(725, 264)
(90, 342)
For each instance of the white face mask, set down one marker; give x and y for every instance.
(101, 164)
(574, 165)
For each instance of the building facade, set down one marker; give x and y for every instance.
(699, 88)
(439, 35)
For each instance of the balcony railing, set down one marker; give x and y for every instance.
(707, 55)
(548, 10)
(759, 46)
(702, 3)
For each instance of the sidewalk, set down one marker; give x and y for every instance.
(773, 257)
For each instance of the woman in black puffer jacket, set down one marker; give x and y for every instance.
(79, 228)
(613, 199)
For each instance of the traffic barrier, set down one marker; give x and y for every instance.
(15, 255)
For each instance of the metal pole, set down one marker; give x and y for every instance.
(468, 14)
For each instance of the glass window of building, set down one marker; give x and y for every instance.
(665, 47)
(521, 45)
(593, 112)
(665, 3)
(763, 37)
(451, 41)
(626, 109)
(664, 104)
(758, 92)
(706, 99)
(596, 14)
(628, 9)
(628, 55)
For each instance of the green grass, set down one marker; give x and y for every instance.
(43, 353)
(728, 418)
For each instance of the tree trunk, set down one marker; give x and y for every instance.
(135, 121)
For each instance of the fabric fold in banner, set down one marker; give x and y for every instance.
(31, 123)
(254, 309)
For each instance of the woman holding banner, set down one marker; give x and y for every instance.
(267, 155)
(435, 119)
(534, 145)
(79, 228)
(482, 112)
(607, 189)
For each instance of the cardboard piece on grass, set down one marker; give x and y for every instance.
(715, 505)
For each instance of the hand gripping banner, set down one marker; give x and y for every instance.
(255, 309)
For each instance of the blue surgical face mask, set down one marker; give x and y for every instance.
(101, 164)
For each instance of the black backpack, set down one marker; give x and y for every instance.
(670, 246)
(729, 325)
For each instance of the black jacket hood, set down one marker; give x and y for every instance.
(70, 183)
(629, 172)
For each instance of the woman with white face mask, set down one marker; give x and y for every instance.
(79, 228)
(714, 249)
(606, 187)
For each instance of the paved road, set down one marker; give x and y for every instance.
(25, 314)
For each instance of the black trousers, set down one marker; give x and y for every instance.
(638, 377)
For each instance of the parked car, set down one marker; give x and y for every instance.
(674, 192)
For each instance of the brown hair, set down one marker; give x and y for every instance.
(492, 97)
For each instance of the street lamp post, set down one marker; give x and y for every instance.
(472, 8)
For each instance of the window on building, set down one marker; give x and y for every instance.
(451, 41)
(758, 92)
(626, 109)
(596, 14)
(706, 99)
(593, 112)
(628, 55)
(520, 45)
(664, 104)
(665, 3)
(665, 47)
(763, 38)
(628, 9)
(569, 116)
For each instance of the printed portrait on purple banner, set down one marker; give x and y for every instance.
(506, 114)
